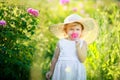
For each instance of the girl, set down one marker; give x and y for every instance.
(71, 51)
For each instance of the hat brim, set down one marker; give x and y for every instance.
(89, 34)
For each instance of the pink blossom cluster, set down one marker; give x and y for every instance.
(33, 12)
(63, 2)
(74, 35)
(2, 22)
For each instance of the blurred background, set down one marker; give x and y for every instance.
(27, 45)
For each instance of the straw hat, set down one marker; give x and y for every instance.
(89, 33)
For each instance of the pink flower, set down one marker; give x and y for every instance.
(82, 11)
(63, 2)
(81, 5)
(29, 10)
(74, 35)
(75, 9)
(2, 23)
(33, 12)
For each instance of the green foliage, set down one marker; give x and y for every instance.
(103, 61)
(16, 45)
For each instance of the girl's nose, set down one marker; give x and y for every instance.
(74, 31)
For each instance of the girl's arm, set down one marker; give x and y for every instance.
(81, 51)
(55, 58)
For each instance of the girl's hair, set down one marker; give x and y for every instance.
(76, 23)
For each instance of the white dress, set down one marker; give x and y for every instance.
(68, 66)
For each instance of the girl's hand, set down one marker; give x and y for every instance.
(77, 43)
(48, 75)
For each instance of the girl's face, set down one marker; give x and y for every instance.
(74, 31)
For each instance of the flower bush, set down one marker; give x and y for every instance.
(16, 43)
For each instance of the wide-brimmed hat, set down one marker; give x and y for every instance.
(89, 33)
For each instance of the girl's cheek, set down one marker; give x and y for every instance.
(69, 32)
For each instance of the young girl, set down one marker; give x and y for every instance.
(71, 51)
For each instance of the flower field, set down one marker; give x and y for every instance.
(27, 45)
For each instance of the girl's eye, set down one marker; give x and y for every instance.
(77, 29)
